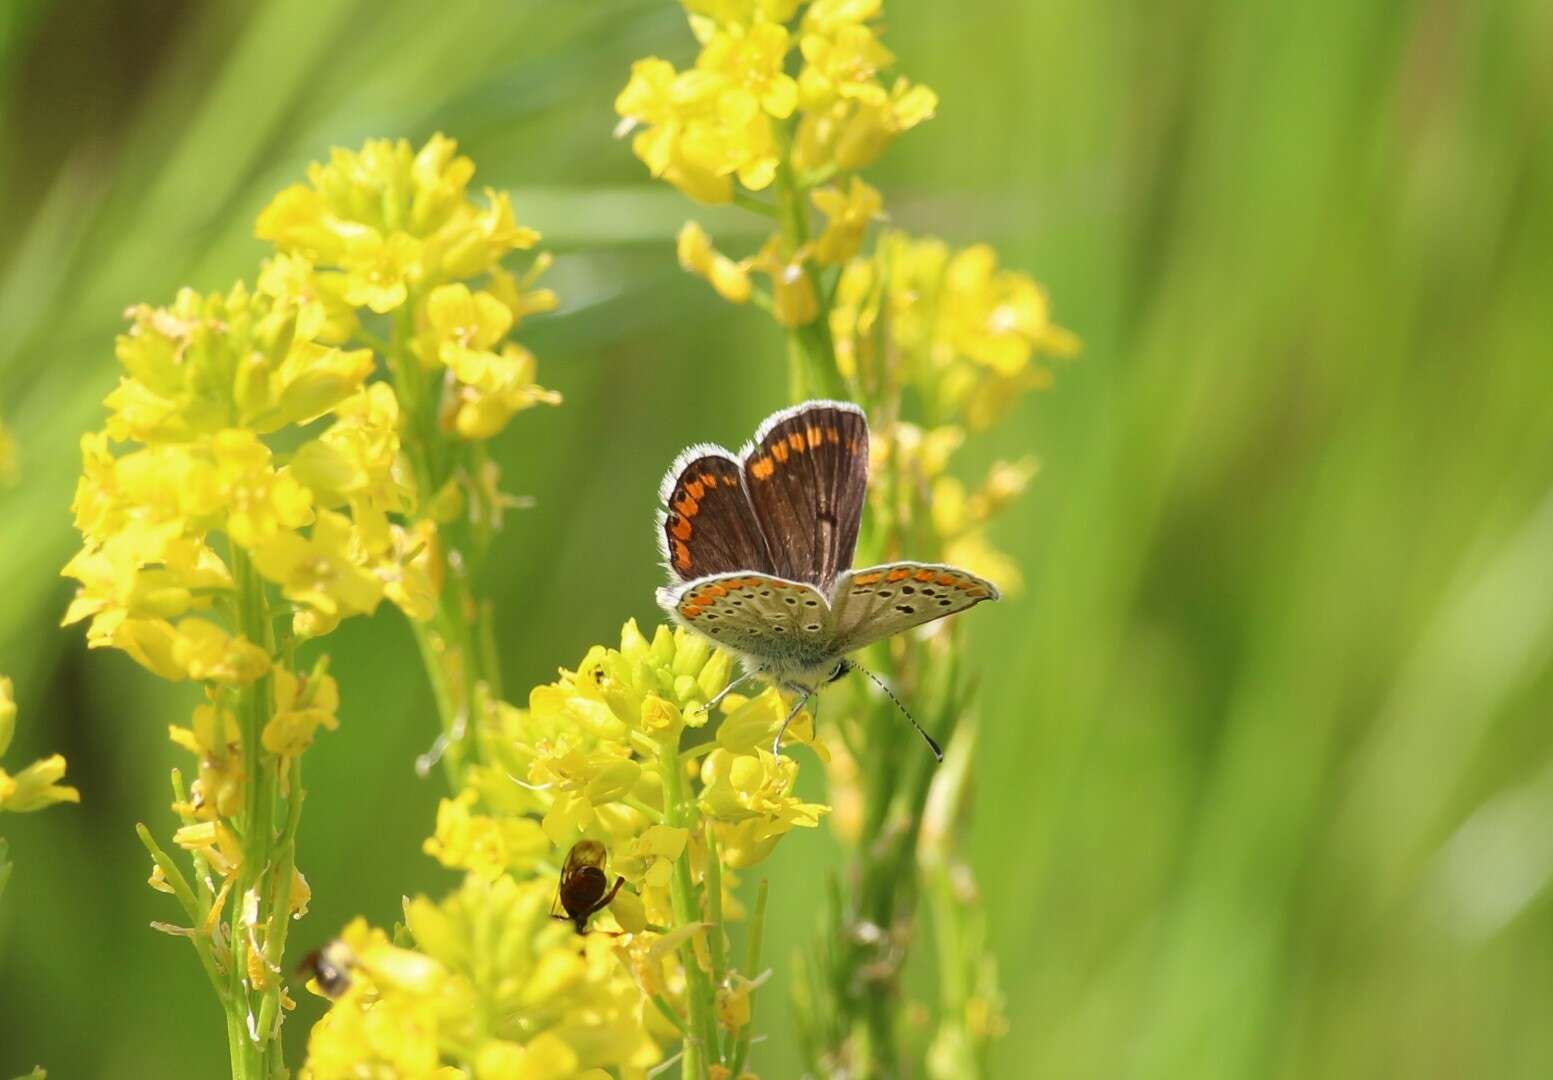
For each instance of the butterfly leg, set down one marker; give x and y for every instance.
(717, 698)
(776, 744)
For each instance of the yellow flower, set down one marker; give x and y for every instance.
(463, 321)
(36, 786)
(484, 845)
(793, 300)
(356, 463)
(302, 706)
(998, 318)
(463, 329)
(322, 571)
(390, 219)
(749, 799)
(749, 724)
(213, 737)
(849, 215)
(851, 133)
(239, 478)
(648, 859)
(517, 293)
(698, 131)
(733, 1002)
(237, 359)
(697, 255)
(492, 986)
(750, 59)
(828, 15)
(843, 62)
(378, 268)
(707, 15)
(206, 652)
(316, 296)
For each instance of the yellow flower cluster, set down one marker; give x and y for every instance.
(36, 786)
(207, 377)
(587, 757)
(254, 484)
(728, 116)
(486, 986)
(964, 332)
(394, 231)
(596, 754)
(968, 338)
(738, 114)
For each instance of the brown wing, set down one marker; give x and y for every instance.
(806, 473)
(583, 853)
(707, 525)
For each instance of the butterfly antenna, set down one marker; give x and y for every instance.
(932, 743)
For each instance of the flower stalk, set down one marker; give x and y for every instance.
(933, 343)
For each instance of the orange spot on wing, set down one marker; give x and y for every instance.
(709, 480)
(950, 579)
(695, 489)
(763, 469)
(779, 451)
(795, 440)
(866, 579)
(681, 528)
(687, 506)
(681, 555)
(814, 437)
(831, 435)
(924, 575)
(897, 575)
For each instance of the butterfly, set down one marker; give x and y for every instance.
(584, 888)
(759, 549)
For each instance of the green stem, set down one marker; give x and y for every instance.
(458, 643)
(446, 663)
(191, 905)
(751, 970)
(682, 896)
(716, 943)
(811, 353)
(259, 1057)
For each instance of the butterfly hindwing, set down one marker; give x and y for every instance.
(707, 525)
(877, 602)
(806, 475)
(756, 614)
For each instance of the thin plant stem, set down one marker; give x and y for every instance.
(716, 945)
(259, 767)
(751, 967)
(682, 896)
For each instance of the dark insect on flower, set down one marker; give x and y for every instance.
(584, 888)
(329, 966)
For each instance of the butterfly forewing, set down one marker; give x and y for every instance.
(806, 474)
(707, 525)
(878, 601)
(757, 614)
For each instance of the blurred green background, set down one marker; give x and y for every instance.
(1267, 767)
